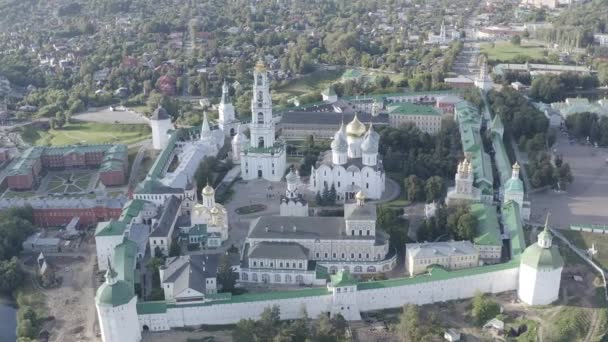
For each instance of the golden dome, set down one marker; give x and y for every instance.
(214, 210)
(360, 196)
(208, 190)
(355, 128)
(516, 166)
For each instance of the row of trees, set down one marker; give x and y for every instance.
(589, 126)
(449, 223)
(552, 88)
(431, 190)
(270, 328)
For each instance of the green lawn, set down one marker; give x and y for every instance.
(506, 52)
(314, 82)
(586, 240)
(93, 133)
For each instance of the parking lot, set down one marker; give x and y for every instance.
(586, 199)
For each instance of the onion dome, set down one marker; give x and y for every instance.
(208, 190)
(339, 144)
(114, 292)
(371, 142)
(214, 210)
(355, 128)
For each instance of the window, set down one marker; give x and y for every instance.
(300, 265)
(277, 278)
(255, 263)
(352, 232)
(352, 255)
(367, 255)
(281, 264)
(367, 185)
(293, 265)
(334, 255)
(360, 232)
(317, 254)
(338, 184)
(359, 255)
(342, 255)
(325, 255)
(368, 232)
(261, 264)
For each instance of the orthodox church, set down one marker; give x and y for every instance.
(264, 157)
(514, 191)
(352, 165)
(208, 221)
(293, 203)
(463, 190)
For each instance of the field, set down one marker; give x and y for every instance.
(92, 133)
(314, 82)
(506, 52)
(585, 240)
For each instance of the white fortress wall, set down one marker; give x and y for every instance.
(438, 290)
(370, 296)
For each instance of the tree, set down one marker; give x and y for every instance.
(11, 275)
(434, 189)
(413, 188)
(269, 323)
(26, 329)
(226, 277)
(325, 195)
(319, 198)
(243, 332)
(331, 198)
(175, 249)
(413, 327)
(564, 176)
(516, 40)
(466, 227)
(483, 308)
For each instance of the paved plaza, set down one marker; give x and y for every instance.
(586, 200)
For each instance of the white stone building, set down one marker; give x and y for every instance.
(226, 113)
(514, 191)
(160, 122)
(293, 203)
(540, 271)
(116, 303)
(452, 255)
(335, 243)
(265, 157)
(483, 80)
(463, 190)
(211, 214)
(352, 165)
(188, 278)
(239, 143)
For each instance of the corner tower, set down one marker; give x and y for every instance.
(540, 270)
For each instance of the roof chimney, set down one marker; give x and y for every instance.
(266, 229)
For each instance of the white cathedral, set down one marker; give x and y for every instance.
(352, 165)
(226, 113)
(211, 215)
(264, 157)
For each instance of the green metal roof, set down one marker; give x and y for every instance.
(503, 165)
(277, 148)
(342, 278)
(436, 273)
(497, 125)
(512, 222)
(538, 257)
(514, 185)
(110, 228)
(125, 255)
(148, 308)
(116, 294)
(488, 230)
(321, 272)
(406, 108)
(198, 230)
(131, 209)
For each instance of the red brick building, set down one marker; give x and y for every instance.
(25, 171)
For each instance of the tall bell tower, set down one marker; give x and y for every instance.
(262, 125)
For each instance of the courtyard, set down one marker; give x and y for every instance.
(585, 200)
(68, 182)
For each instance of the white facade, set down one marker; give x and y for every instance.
(265, 157)
(352, 165)
(540, 271)
(412, 292)
(119, 323)
(210, 213)
(160, 122)
(293, 203)
(104, 246)
(238, 143)
(463, 190)
(483, 80)
(226, 113)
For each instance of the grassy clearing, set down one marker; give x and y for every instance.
(314, 82)
(505, 51)
(92, 133)
(585, 240)
(570, 324)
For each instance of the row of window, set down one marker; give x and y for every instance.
(343, 255)
(265, 278)
(271, 264)
(436, 260)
